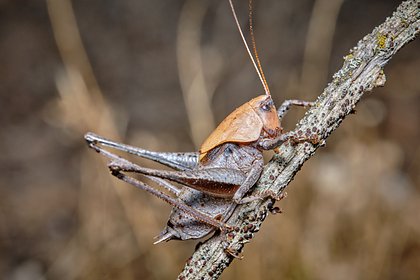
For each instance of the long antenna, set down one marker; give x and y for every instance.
(257, 68)
(254, 45)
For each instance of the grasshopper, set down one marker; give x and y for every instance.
(214, 180)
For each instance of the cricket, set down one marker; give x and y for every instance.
(210, 183)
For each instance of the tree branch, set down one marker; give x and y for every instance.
(361, 72)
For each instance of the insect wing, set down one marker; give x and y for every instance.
(242, 126)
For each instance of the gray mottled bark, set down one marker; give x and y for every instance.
(361, 72)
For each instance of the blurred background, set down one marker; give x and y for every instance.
(161, 75)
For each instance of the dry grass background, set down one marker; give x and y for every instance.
(160, 74)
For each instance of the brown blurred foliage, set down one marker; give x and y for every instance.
(154, 74)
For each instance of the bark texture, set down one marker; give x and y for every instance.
(362, 71)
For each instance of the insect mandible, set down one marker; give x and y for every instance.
(217, 177)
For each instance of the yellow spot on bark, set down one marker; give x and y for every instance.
(349, 56)
(381, 40)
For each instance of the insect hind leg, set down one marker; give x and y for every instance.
(178, 161)
(173, 201)
(208, 180)
(165, 197)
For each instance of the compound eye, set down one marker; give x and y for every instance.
(266, 107)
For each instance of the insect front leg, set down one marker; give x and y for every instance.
(295, 138)
(178, 161)
(282, 110)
